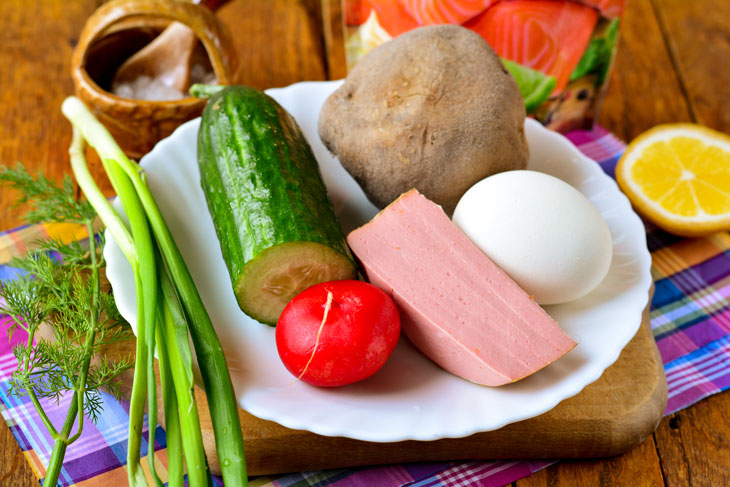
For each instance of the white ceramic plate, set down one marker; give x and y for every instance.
(410, 398)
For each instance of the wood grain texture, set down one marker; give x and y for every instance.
(14, 468)
(638, 467)
(698, 36)
(694, 444)
(279, 42)
(36, 40)
(35, 49)
(334, 39)
(643, 89)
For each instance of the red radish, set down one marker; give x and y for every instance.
(433, 12)
(544, 35)
(338, 332)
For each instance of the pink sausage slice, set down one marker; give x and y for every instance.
(457, 306)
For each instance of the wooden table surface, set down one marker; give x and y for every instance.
(673, 65)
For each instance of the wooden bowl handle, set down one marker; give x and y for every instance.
(203, 22)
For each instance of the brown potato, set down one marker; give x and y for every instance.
(433, 109)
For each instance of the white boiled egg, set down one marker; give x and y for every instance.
(540, 230)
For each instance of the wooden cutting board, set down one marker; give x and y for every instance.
(607, 418)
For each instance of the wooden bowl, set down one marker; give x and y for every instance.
(137, 125)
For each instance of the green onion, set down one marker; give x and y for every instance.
(128, 180)
(175, 333)
(145, 283)
(175, 466)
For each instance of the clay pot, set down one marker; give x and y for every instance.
(118, 29)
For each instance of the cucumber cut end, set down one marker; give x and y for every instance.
(270, 280)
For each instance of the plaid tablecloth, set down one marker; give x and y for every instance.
(690, 317)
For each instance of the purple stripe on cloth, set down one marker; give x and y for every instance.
(106, 458)
(684, 323)
(382, 476)
(420, 470)
(689, 281)
(394, 476)
(6, 346)
(686, 341)
(597, 143)
(600, 145)
(483, 474)
(698, 374)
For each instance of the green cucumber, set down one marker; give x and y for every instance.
(276, 225)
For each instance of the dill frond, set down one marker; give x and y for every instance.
(51, 202)
(60, 288)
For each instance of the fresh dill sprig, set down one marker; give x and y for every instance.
(61, 289)
(50, 202)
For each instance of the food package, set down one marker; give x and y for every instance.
(559, 51)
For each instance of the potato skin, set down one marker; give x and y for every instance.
(433, 109)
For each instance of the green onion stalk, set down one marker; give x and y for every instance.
(168, 306)
(145, 276)
(147, 317)
(174, 332)
(135, 247)
(175, 469)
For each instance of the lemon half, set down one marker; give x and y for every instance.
(678, 176)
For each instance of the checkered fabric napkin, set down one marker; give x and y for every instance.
(690, 317)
